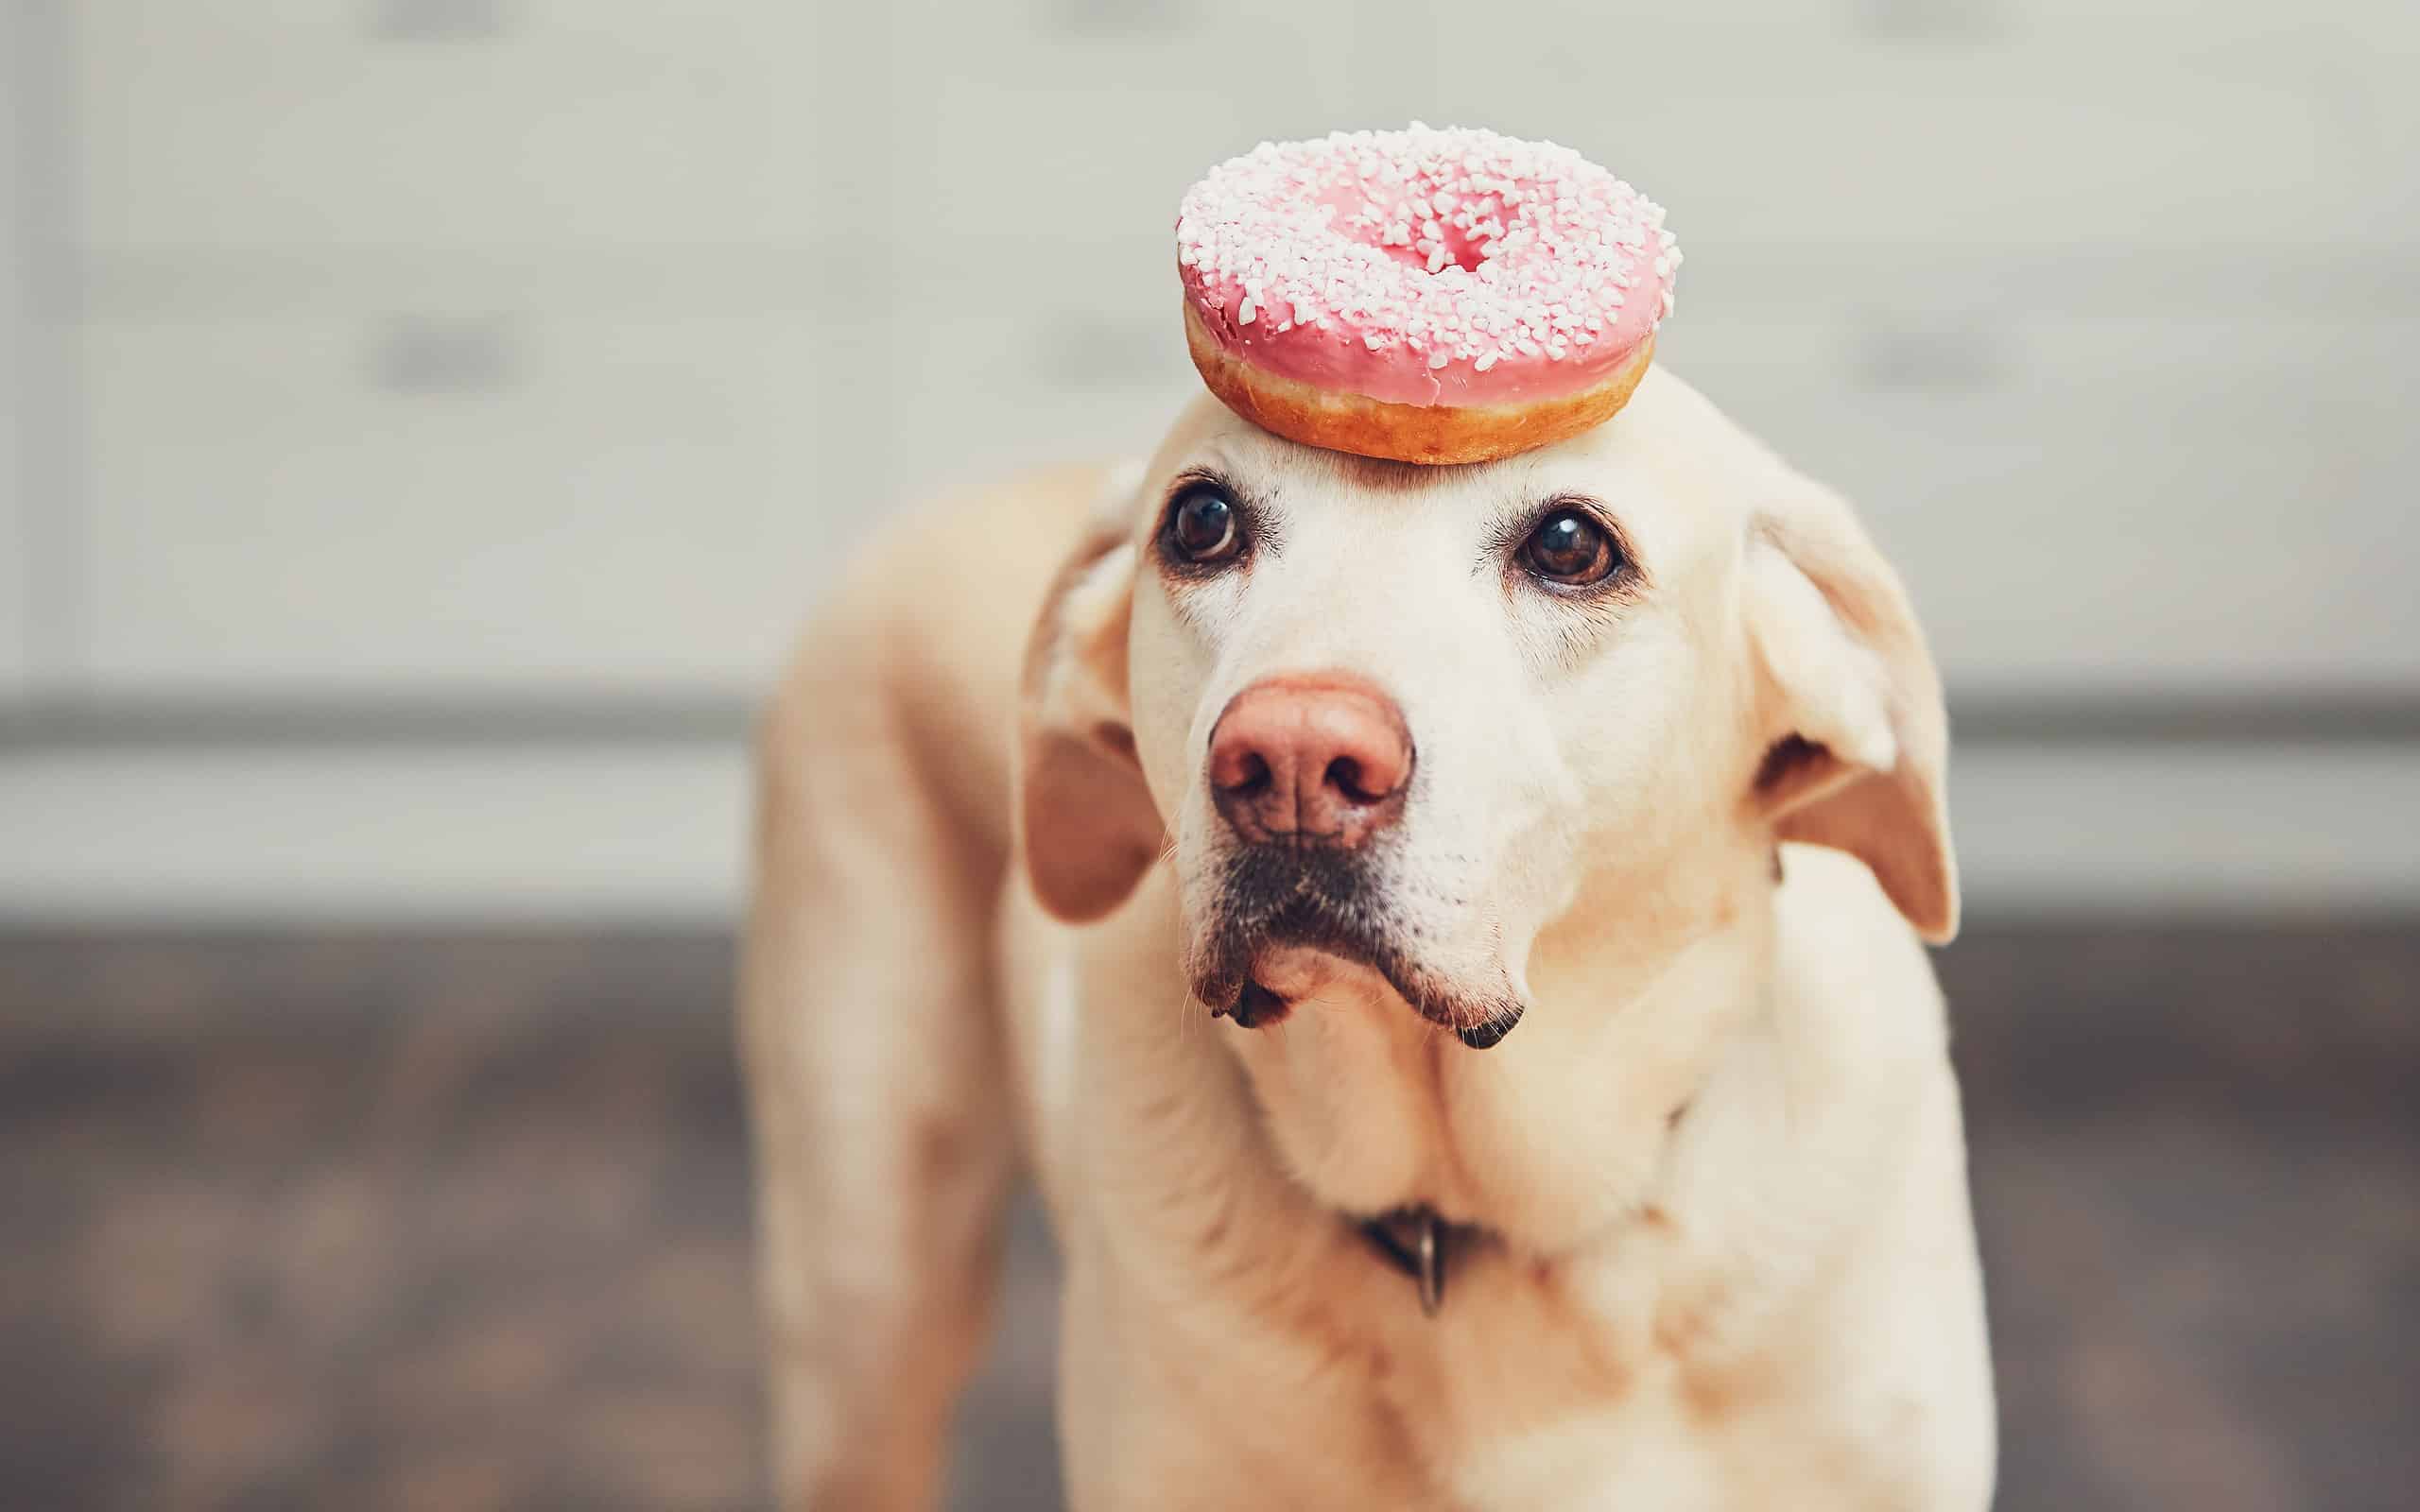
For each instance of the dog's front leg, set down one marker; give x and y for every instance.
(883, 1144)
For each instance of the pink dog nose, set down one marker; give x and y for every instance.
(1320, 760)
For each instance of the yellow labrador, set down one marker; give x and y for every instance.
(1445, 941)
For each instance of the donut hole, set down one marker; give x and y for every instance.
(1346, 201)
(1461, 249)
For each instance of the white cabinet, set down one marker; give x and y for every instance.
(337, 498)
(2094, 500)
(2101, 311)
(443, 343)
(1010, 353)
(2123, 139)
(557, 350)
(1071, 120)
(209, 124)
(565, 343)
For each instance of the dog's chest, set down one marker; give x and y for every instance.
(1532, 1388)
(1539, 1385)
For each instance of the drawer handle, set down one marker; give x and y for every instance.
(1908, 358)
(443, 354)
(436, 20)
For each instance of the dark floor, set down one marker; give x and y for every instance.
(366, 1221)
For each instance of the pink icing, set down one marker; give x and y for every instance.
(1454, 267)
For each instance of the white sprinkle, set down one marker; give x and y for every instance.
(1245, 312)
(1439, 357)
(1486, 361)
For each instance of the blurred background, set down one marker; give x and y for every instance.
(422, 423)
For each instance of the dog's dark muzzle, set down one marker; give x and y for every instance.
(1326, 898)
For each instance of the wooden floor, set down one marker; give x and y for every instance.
(369, 1220)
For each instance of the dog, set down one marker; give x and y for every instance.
(1446, 943)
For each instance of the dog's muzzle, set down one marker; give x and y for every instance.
(1325, 899)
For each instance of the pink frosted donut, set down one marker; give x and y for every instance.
(1429, 296)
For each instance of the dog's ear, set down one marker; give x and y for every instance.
(1088, 825)
(1856, 737)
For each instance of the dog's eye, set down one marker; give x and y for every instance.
(1201, 526)
(1570, 548)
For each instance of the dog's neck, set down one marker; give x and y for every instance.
(1562, 1130)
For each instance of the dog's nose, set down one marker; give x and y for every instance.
(1321, 760)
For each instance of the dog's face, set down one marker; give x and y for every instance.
(1390, 712)
(1395, 723)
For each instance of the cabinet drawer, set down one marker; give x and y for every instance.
(2118, 137)
(317, 499)
(1047, 353)
(1081, 118)
(2104, 500)
(423, 124)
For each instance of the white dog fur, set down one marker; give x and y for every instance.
(1718, 1162)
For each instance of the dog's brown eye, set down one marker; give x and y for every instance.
(1201, 527)
(1569, 548)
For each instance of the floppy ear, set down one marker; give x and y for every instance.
(1086, 820)
(1857, 740)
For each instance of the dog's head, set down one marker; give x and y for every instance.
(1399, 721)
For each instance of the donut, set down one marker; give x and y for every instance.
(1430, 295)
